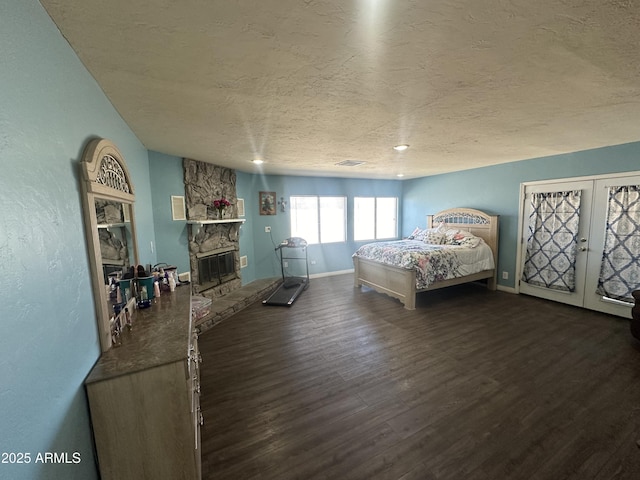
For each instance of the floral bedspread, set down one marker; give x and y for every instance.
(432, 262)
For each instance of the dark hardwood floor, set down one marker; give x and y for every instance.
(473, 384)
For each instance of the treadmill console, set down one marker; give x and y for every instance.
(294, 242)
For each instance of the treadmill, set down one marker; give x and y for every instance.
(291, 249)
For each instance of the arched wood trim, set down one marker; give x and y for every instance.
(105, 172)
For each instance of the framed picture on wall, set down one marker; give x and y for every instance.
(267, 203)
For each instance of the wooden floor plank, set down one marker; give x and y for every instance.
(472, 384)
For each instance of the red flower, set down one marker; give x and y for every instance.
(221, 203)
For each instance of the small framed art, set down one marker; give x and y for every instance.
(267, 203)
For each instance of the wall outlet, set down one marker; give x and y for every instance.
(313, 262)
(286, 264)
(505, 275)
(267, 229)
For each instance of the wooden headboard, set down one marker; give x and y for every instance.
(477, 222)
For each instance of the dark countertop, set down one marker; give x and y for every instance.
(160, 335)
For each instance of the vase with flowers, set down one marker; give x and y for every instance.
(221, 204)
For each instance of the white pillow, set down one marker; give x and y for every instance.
(433, 237)
(471, 242)
(417, 234)
(420, 234)
(462, 237)
(441, 228)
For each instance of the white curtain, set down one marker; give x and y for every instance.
(620, 269)
(552, 242)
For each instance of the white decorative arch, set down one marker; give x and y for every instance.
(105, 171)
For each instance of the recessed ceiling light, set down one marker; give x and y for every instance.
(401, 148)
(400, 175)
(258, 161)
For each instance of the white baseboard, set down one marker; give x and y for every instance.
(331, 274)
(502, 288)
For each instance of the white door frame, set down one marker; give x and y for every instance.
(604, 305)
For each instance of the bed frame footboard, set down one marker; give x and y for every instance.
(396, 282)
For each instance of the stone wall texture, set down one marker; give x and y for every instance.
(204, 183)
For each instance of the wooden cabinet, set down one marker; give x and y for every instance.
(144, 396)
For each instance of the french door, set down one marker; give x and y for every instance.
(563, 233)
(555, 238)
(593, 300)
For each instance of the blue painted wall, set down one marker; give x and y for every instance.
(328, 257)
(167, 178)
(493, 189)
(258, 246)
(50, 106)
(247, 229)
(496, 190)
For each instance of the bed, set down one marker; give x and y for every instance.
(404, 282)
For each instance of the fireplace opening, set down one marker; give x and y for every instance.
(216, 269)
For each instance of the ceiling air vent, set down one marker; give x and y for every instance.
(349, 163)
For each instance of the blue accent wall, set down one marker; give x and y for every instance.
(247, 229)
(172, 240)
(330, 257)
(496, 190)
(257, 245)
(50, 107)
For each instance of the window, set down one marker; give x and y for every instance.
(319, 219)
(375, 218)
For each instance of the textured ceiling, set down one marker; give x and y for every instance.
(307, 84)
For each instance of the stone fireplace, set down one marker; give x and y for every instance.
(214, 251)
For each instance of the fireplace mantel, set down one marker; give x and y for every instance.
(209, 222)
